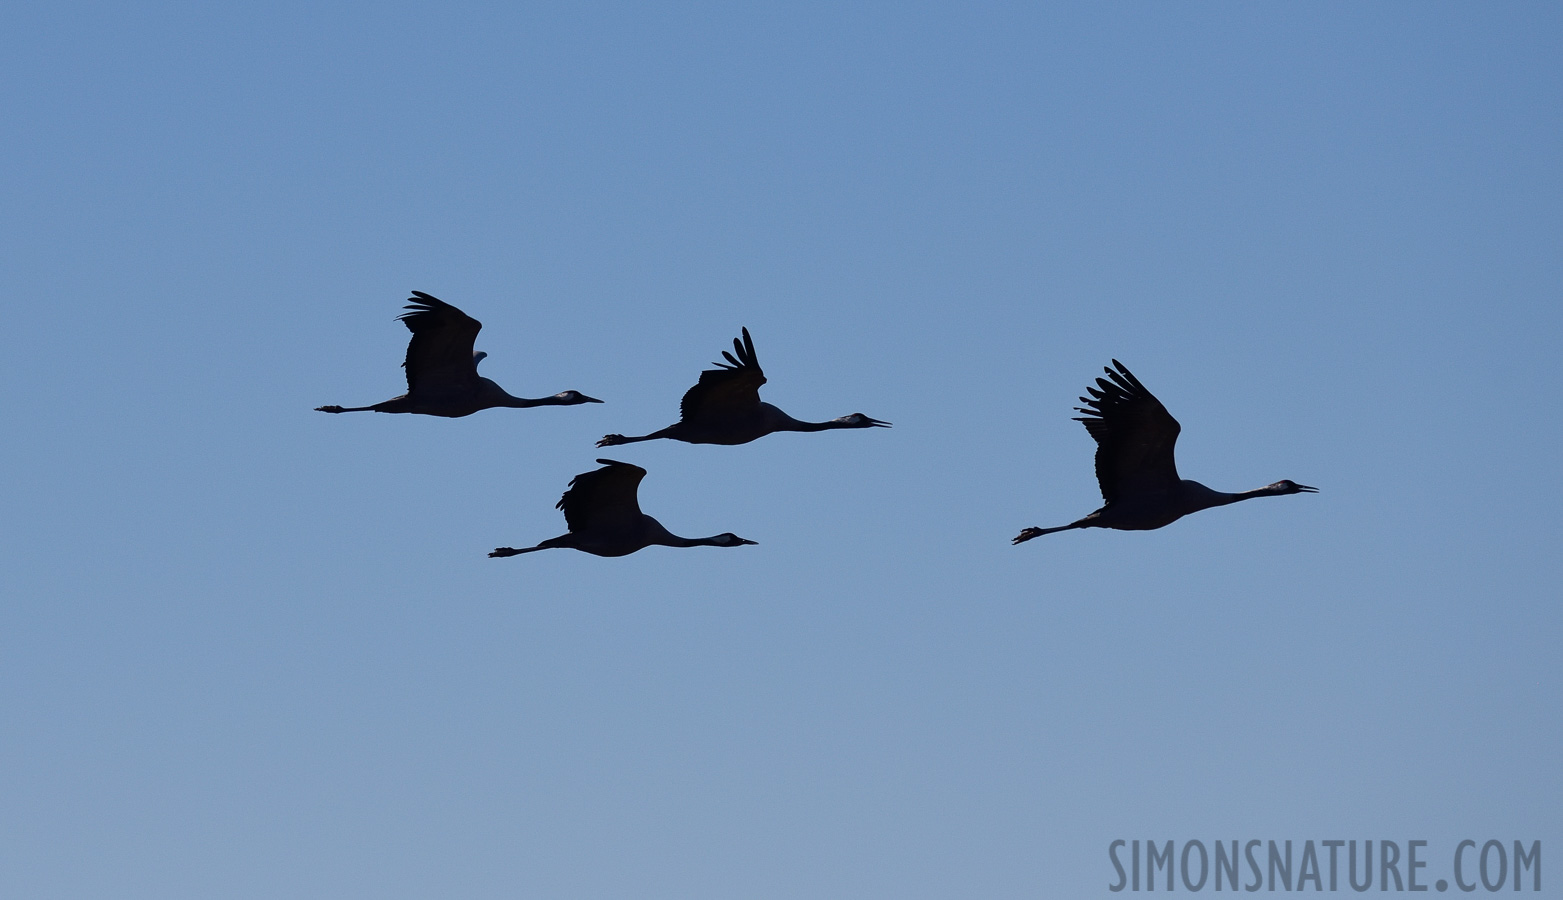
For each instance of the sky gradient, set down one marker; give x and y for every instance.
(250, 650)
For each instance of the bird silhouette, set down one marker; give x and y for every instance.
(725, 408)
(604, 517)
(442, 369)
(1134, 462)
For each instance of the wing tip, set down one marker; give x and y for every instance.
(420, 302)
(616, 462)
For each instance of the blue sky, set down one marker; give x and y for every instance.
(250, 650)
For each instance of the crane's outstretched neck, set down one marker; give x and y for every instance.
(1278, 489)
(657, 534)
(673, 540)
(780, 421)
(725, 539)
(1193, 496)
(792, 424)
(563, 398)
(490, 394)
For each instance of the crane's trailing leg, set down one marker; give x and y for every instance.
(614, 440)
(1035, 532)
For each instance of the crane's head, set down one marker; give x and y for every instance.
(728, 539)
(571, 398)
(1287, 486)
(858, 420)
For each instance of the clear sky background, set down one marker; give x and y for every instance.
(250, 650)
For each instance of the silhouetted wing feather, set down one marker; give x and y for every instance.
(733, 388)
(602, 496)
(441, 345)
(1134, 433)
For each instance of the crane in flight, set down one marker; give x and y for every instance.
(604, 517)
(442, 369)
(725, 408)
(1134, 462)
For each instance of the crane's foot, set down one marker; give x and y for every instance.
(1027, 535)
(330, 409)
(612, 440)
(503, 551)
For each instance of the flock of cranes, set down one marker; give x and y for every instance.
(1134, 433)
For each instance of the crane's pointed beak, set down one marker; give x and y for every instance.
(1303, 488)
(876, 423)
(586, 399)
(742, 541)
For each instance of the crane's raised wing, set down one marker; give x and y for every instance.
(1134, 436)
(733, 388)
(440, 351)
(603, 497)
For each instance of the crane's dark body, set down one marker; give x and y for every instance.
(603, 513)
(724, 407)
(442, 368)
(1135, 467)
